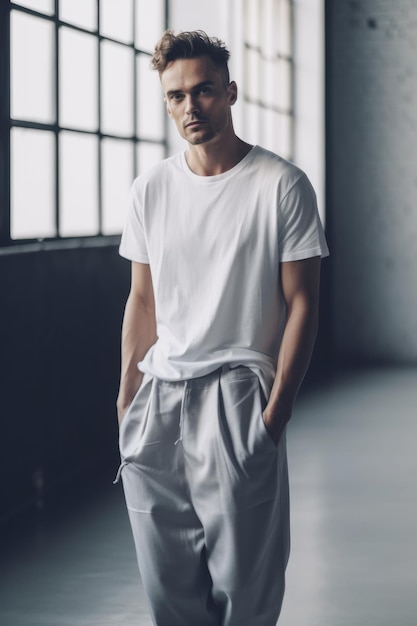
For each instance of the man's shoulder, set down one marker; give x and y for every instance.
(283, 171)
(159, 172)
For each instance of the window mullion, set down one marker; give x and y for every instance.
(100, 136)
(135, 93)
(57, 120)
(5, 123)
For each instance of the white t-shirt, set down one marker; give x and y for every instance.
(214, 245)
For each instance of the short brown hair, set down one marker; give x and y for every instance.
(188, 45)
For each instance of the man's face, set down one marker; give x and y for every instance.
(197, 99)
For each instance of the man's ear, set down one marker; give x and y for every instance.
(232, 92)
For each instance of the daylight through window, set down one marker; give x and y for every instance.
(86, 113)
(269, 74)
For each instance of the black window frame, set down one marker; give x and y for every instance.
(7, 124)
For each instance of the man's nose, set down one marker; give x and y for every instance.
(191, 105)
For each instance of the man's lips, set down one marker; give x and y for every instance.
(194, 123)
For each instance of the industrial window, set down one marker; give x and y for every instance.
(269, 74)
(81, 114)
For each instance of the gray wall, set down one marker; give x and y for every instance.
(372, 177)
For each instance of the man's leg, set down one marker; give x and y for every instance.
(239, 486)
(168, 535)
(247, 556)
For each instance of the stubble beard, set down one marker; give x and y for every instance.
(199, 137)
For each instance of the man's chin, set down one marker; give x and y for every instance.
(198, 137)
(196, 141)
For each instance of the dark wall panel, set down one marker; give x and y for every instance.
(61, 315)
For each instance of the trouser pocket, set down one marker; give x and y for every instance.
(134, 424)
(247, 455)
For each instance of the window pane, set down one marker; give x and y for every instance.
(79, 12)
(285, 136)
(116, 19)
(269, 28)
(32, 75)
(270, 80)
(253, 74)
(117, 89)
(252, 119)
(284, 28)
(283, 85)
(277, 84)
(32, 184)
(117, 178)
(150, 101)
(150, 23)
(252, 34)
(276, 133)
(78, 184)
(147, 154)
(78, 79)
(270, 130)
(43, 6)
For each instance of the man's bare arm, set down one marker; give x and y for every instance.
(138, 334)
(300, 282)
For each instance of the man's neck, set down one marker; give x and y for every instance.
(210, 159)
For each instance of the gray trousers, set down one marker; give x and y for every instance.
(207, 494)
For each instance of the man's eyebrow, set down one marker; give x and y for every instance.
(172, 91)
(204, 83)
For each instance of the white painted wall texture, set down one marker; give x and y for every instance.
(372, 175)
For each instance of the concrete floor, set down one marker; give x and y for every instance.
(353, 472)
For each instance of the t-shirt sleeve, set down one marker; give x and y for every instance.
(133, 241)
(301, 234)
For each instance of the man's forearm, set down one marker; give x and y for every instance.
(293, 361)
(138, 335)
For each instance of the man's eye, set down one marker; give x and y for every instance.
(176, 97)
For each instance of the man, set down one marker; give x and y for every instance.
(225, 243)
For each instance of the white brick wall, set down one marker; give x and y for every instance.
(372, 176)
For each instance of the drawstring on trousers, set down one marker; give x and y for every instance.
(119, 471)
